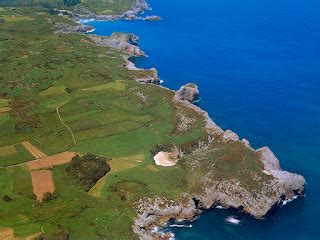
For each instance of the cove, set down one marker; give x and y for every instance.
(257, 66)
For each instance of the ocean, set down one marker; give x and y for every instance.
(257, 64)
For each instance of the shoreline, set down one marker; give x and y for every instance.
(228, 135)
(193, 205)
(81, 14)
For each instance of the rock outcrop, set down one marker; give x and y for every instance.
(188, 92)
(290, 183)
(152, 77)
(121, 41)
(152, 18)
(80, 12)
(61, 28)
(132, 14)
(229, 193)
(270, 186)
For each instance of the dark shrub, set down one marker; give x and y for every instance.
(6, 198)
(88, 169)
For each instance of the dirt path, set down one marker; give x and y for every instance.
(42, 182)
(64, 124)
(6, 234)
(36, 152)
(47, 162)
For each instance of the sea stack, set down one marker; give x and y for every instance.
(189, 92)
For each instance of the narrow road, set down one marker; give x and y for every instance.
(69, 129)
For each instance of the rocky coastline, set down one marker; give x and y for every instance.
(283, 186)
(152, 213)
(81, 13)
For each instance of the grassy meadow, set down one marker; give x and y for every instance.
(62, 93)
(108, 113)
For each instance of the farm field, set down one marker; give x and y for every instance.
(78, 134)
(68, 96)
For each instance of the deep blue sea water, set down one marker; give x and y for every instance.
(257, 63)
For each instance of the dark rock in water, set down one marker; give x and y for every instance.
(152, 18)
(122, 41)
(188, 92)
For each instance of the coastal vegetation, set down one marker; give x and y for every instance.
(61, 94)
(109, 113)
(88, 169)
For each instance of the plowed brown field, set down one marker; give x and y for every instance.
(42, 182)
(48, 162)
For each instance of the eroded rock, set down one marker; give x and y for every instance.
(62, 28)
(122, 41)
(152, 18)
(188, 92)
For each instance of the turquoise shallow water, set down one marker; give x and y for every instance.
(257, 64)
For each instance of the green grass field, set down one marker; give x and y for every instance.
(99, 6)
(100, 102)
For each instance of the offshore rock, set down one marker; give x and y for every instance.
(152, 18)
(188, 92)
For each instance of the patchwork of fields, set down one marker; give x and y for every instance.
(60, 95)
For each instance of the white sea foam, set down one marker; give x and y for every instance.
(232, 220)
(155, 230)
(220, 207)
(86, 20)
(181, 225)
(284, 202)
(90, 31)
(172, 236)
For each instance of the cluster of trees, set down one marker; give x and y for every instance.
(88, 169)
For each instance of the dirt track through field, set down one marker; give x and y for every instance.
(6, 234)
(42, 182)
(36, 152)
(64, 124)
(50, 161)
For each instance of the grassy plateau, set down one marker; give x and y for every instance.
(62, 93)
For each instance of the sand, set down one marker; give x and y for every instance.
(164, 159)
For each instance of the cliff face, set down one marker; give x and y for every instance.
(82, 12)
(121, 41)
(222, 171)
